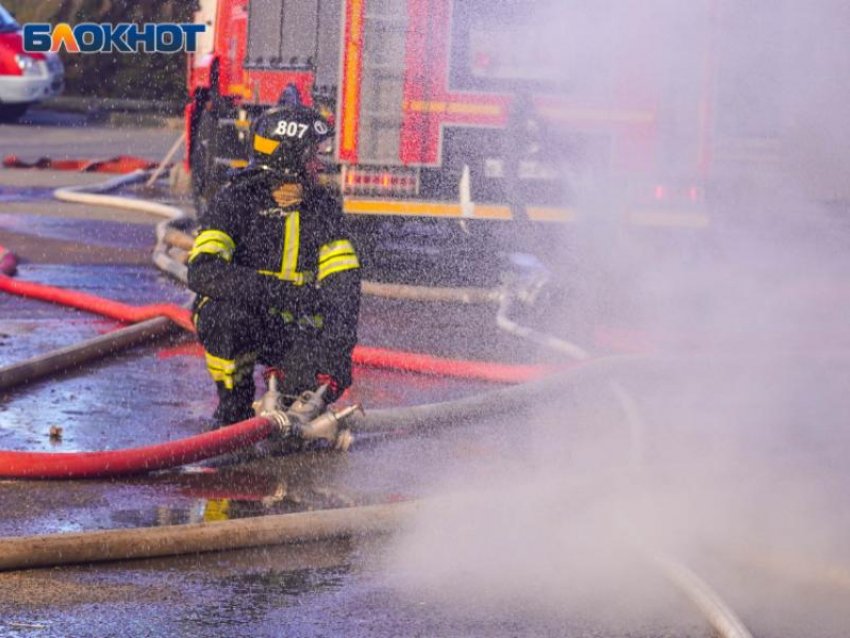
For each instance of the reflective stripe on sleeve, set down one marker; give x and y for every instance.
(339, 264)
(335, 257)
(213, 242)
(334, 249)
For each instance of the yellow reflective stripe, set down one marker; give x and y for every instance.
(224, 377)
(225, 365)
(289, 255)
(341, 246)
(229, 371)
(336, 255)
(340, 243)
(337, 265)
(265, 145)
(291, 242)
(211, 248)
(223, 237)
(338, 259)
(197, 313)
(213, 242)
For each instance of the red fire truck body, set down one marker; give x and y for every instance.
(457, 117)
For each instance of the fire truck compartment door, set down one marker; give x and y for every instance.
(330, 40)
(282, 34)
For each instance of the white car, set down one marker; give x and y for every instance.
(25, 78)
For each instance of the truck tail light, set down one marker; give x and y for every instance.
(676, 193)
(367, 180)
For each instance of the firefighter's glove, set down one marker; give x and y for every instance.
(286, 295)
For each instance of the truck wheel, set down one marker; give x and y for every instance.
(12, 112)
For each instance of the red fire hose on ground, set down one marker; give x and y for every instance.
(84, 465)
(40, 465)
(97, 305)
(363, 355)
(121, 164)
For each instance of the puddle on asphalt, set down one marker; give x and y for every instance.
(96, 232)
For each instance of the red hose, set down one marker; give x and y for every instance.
(97, 305)
(363, 355)
(85, 465)
(368, 357)
(47, 465)
(427, 364)
(119, 164)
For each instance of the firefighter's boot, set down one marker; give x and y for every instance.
(234, 404)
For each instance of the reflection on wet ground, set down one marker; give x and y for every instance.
(23, 193)
(87, 231)
(328, 589)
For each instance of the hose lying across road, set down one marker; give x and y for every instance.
(112, 463)
(172, 540)
(97, 305)
(362, 355)
(85, 465)
(156, 321)
(74, 356)
(28, 552)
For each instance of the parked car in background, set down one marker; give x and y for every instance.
(25, 78)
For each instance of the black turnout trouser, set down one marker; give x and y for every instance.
(235, 339)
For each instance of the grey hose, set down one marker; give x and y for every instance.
(27, 552)
(492, 403)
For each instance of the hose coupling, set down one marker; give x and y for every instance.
(330, 426)
(282, 423)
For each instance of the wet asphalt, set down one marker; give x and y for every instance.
(357, 588)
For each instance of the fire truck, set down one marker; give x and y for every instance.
(468, 124)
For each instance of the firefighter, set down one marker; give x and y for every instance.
(276, 274)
